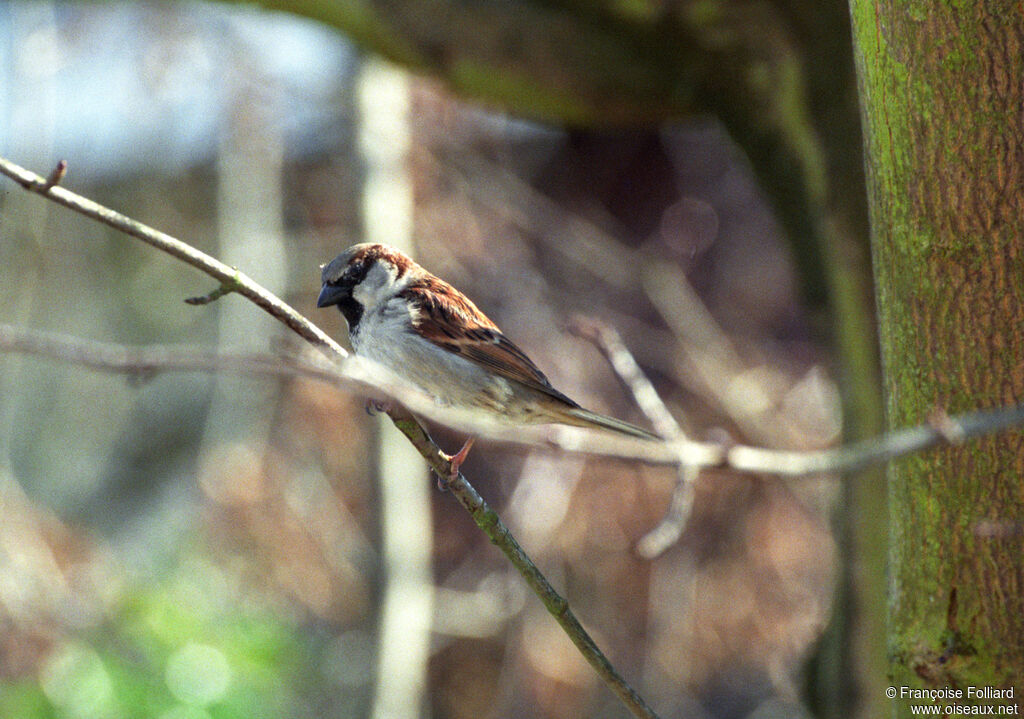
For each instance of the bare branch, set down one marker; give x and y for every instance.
(609, 341)
(672, 525)
(146, 362)
(232, 280)
(358, 375)
(355, 374)
(57, 174)
(489, 521)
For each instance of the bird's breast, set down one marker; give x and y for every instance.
(388, 337)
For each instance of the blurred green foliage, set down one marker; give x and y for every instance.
(175, 650)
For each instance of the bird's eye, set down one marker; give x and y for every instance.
(356, 272)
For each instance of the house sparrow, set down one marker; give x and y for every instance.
(432, 335)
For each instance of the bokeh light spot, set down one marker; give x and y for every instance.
(198, 674)
(74, 679)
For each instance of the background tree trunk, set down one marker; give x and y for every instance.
(942, 100)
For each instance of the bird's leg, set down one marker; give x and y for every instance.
(376, 406)
(455, 460)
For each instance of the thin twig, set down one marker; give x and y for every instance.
(357, 376)
(232, 280)
(609, 341)
(354, 374)
(668, 531)
(489, 521)
(672, 525)
(57, 174)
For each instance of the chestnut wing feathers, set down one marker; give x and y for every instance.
(450, 320)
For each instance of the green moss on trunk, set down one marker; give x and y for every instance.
(941, 101)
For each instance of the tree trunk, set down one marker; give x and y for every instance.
(942, 96)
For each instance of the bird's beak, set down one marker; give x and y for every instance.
(331, 295)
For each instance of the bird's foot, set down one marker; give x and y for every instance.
(455, 463)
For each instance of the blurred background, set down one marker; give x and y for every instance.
(190, 546)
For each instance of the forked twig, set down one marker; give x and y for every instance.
(607, 339)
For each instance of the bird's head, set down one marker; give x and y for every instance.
(363, 277)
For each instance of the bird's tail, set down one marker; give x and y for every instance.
(585, 418)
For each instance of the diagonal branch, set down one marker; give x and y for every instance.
(232, 280)
(489, 521)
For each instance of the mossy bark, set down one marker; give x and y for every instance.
(943, 111)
